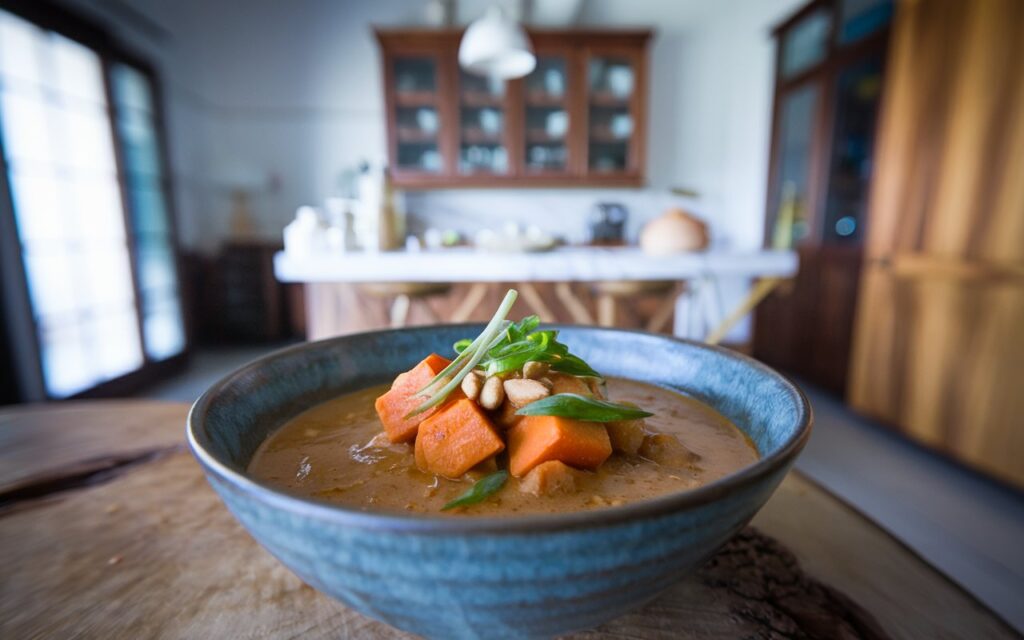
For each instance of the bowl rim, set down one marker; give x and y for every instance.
(421, 523)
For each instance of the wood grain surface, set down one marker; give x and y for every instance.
(938, 348)
(147, 550)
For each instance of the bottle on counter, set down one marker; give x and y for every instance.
(389, 236)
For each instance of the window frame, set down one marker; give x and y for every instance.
(19, 319)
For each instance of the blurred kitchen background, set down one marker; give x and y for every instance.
(834, 187)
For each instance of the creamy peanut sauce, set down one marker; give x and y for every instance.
(326, 453)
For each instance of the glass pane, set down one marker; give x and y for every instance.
(417, 119)
(113, 341)
(482, 125)
(27, 127)
(165, 333)
(860, 18)
(156, 265)
(547, 116)
(162, 325)
(78, 73)
(857, 92)
(108, 284)
(20, 46)
(149, 214)
(68, 207)
(415, 76)
(52, 281)
(96, 210)
(40, 218)
(611, 83)
(67, 367)
(805, 44)
(131, 89)
(792, 161)
(89, 140)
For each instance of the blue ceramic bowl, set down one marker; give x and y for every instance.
(465, 577)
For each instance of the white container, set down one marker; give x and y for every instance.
(306, 235)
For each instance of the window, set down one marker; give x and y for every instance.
(99, 311)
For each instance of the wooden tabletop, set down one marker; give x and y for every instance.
(108, 529)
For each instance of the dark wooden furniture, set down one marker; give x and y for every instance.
(113, 520)
(238, 299)
(829, 69)
(579, 119)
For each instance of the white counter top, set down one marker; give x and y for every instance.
(577, 264)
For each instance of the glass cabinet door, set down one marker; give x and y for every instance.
(482, 125)
(857, 90)
(546, 116)
(790, 187)
(417, 117)
(612, 113)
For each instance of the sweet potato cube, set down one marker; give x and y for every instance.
(393, 406)
(537, 439)
(666, 450)
(456, 438)
(627, 436)
(549, 478)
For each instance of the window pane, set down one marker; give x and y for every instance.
(131, 89)
(148, 211)
(78, 73)
(163, 327)
(40, 218)
(51, 282)
(68, 207)
(165, 333)
(114, 343)
(89, 140)
(66, 365)
(97, 209)
(156, 265)
(20, 45)
(26, 126)
(108, 283)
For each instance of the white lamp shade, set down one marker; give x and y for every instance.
(497, 47)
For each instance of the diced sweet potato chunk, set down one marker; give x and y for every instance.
(455, 439)
(549, 478)
(537, 439)
(667, 451)
(626, 435)
(393, 406)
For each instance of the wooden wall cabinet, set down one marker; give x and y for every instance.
(829, 68)
(578, 120)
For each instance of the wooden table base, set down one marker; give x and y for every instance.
(108, 529)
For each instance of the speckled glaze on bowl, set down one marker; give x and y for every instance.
(463, 577)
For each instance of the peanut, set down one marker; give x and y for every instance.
(535, 370)
(522, 392)
(492, 394)
(472, 384)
